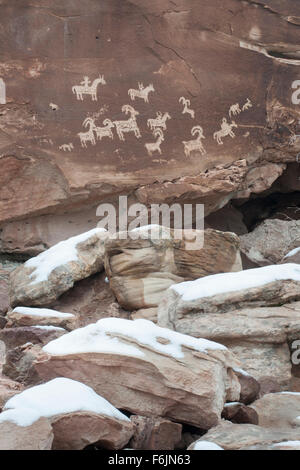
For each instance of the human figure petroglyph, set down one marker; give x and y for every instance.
(67, 147)
(159, 121)
(247, 105)
(155, 146)
(226, 129)
(142, 92)
(100, 131)
(130, 125)
(186, 107)
(235, 110)
(196, 144)
(85, 88)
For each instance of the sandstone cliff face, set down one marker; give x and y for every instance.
(67, 70)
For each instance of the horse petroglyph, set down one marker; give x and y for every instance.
(196, 144)
(155, 146)
(159, 121)
(186, 107)
(67, 147)
(226, 129)
(86, 88)
(142, 92)
(130, 125)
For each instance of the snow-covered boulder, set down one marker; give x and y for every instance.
(28, 316)
(41, 280)
(232, 309)
(225, 292)
(140, 270)
(147, 370)
(78, 415)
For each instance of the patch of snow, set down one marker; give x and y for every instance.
(297, 394)
(59, 396)
(232, 282)
(97, 338)
(241, 371)
(233, 403)
(62, 253)
(287, 444)
(156, 232)
(206, 445)
(293, 252)
(22, 417)
(48, 327)
(42, 312)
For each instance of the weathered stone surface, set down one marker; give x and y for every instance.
(147, 380)
(75, 431)
(19, 364)
(8, 388)
(4, 291)
(258, 336)
(154, 434)
(271, 241)
(14, 337)
(37, 436)
(231, 436)
(41, 280)
(278, 410)
(250, 388)
(90, 300)
(239, 413)
(293, 256)
(44, 177)
(141, 270)
(22, 316)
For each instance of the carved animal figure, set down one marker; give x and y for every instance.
(155, 146)
(226, 129)
(88, 136)
(235, 110)
(100, 131)
(142, 92)
(186, 107)
(86, 89)
(130, 125)
(247, 105)
(66, 147)
(159, 121)
(196, 144)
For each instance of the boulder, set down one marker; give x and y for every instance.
(147, 370)
(19, 364)
(25, 434)
(90, 300)
(79, 417)
(271, 241)
(142, 264)
(239, 413)
(41, 280)
(154, 433)
(26, 316)
(14, 337)
(226, 292)
(8, 388)
(231, 436)
(250, 387)
(260, 337)
(278, 410)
